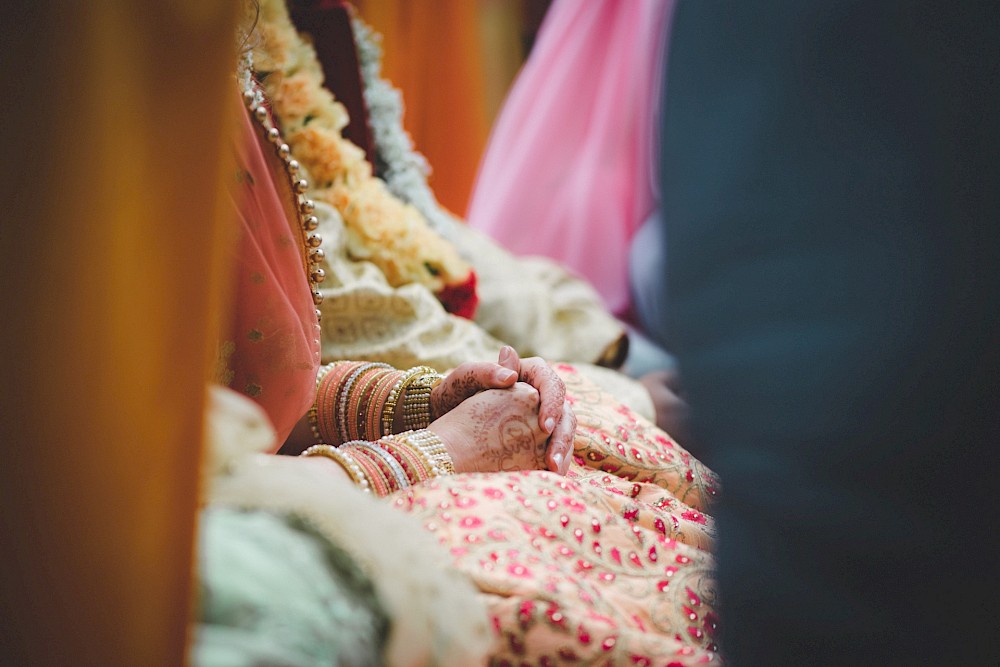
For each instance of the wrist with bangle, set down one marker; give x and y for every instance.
(391, 463)
(361, 400)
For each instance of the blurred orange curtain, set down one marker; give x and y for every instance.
(433, 54)
(504, 28)
(111, 262)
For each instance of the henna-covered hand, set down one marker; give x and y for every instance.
(495, 430)
(555, 415)
(467, 380)
(560, 448)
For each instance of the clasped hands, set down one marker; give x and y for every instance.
(512, 415)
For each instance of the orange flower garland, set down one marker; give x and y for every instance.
(381, 229)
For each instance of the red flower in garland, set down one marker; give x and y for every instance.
(460, 299)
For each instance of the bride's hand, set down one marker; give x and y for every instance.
(495, 430)
(554, 415)
(467, 380)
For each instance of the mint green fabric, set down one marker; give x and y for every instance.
(274, 592)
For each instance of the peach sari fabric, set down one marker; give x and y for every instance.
(272, 351)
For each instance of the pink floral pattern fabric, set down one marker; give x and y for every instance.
(609, 565)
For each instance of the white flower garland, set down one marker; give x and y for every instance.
(403, 169)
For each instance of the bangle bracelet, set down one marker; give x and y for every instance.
(359, 400)
(390, 405)
(394, 467)
(314, 409)
(381, 486)
(417, 401)
(345, 394)
(431, 448)
(376, 406)
(326, 400)
(346, 461)
(415, 465)
(398, 392)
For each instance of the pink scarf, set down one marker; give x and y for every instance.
(272, 351)
(569, 172)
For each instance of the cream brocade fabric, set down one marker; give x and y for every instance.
(535, 304)
(545, 312)
(366, 318)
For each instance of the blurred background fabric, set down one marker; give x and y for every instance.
(454, 61)
(570, 170)
(111, 282)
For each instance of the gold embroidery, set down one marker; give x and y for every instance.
(244, 175)
(222, 372)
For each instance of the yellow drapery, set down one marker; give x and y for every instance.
(111, 263)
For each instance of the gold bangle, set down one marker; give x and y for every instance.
(433, 449)
(390, 405)
(346, 462)
(417, 401)
(314, 409)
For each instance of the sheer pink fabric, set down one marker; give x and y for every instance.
(272, 352)
(569, 169)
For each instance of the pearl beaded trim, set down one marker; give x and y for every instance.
(390, 406)
(253, 98)
(417, 404)
(345, 460)
(432, 448)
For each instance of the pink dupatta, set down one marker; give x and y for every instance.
(569, 171)
(272, 352)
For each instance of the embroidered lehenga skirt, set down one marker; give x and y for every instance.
(610, 564)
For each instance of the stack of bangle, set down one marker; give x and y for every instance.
(314, 410)
(392, 463)
(357, 400)
(324, 415)
(431, 448)
(349, 396)
(415, 389)
(397, 391)
(417, 400)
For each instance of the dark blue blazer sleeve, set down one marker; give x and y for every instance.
(830, 191)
